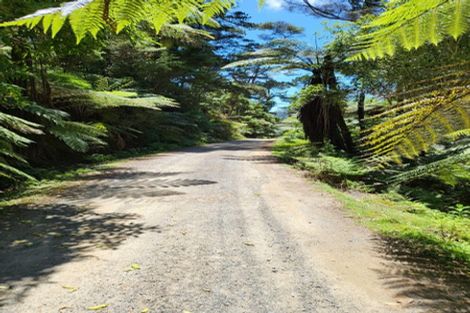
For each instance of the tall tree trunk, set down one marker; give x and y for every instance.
(361, 113)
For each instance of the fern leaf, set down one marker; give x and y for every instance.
(78, 136)
(10, 172)
(89, 17)
(431, 113)
(411, 25)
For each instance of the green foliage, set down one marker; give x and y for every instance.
(91, 16)
(120, 92)
(99, 100)
(433, 110)
(258, 122)
(250, 118)
(443, 236)
(412, 24)
(69, 80)
(461, 210)
(325, 164)
(78, 136)
(439, 180)
(311, 91)
(281, 54)
(450, 166)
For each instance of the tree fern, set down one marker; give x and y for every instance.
(434, 110)
(101, 100)
(13, 132)
(440, 161)
(280, 55)
(411, 25)
(78, 136)
(91, 16)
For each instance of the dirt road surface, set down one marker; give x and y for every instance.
(219, 228)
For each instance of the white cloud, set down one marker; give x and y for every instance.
(275, 4)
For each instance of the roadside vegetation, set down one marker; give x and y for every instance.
(76, 98)
(433, 222)
(381, 116)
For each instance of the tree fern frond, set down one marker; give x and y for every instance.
(78, 136)
(19, 125)
(459, 134)
(10, 172)
(214, 8)
(50, 115)
(461, 156)
(184, 33)
(112, 99)
(414, 125)
(98, 100)
(254, 61)
(411, 25)
(91, 16)
(88, 19)
(13, 137)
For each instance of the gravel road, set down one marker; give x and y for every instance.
(219, 228)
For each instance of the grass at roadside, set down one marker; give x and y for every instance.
(444, 236)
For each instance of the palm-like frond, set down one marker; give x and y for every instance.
(99, 100)
(9, 172)
(280, 55)
(14, 131)
(78, 136)
(460, 155)
(411, 25)
(184, 34)
(434, 110)
(91, 16)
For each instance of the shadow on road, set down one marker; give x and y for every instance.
(435, 284)
(35, 239)
(262, 159)
(130, 184)
(241, 145)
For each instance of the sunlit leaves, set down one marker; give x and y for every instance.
(89, 17)
(411, 25)
(433, 110)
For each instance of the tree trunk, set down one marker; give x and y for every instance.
(361, 113)
(322, 118)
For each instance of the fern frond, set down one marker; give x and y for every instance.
(91, 16)
(432, 113)
(11, 173)
(97, 100)
(13, 137)
(254, 61)
(460, 155)
(459, 134)
(19, 125)
(282, 55)
(411, 25)
(184, 34)
(78, 136)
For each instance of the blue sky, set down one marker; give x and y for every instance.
(273, 11)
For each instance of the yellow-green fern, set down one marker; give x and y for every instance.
(434, 110)
(411, 25)
(91, 16)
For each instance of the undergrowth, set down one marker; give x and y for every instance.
(443, 233)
